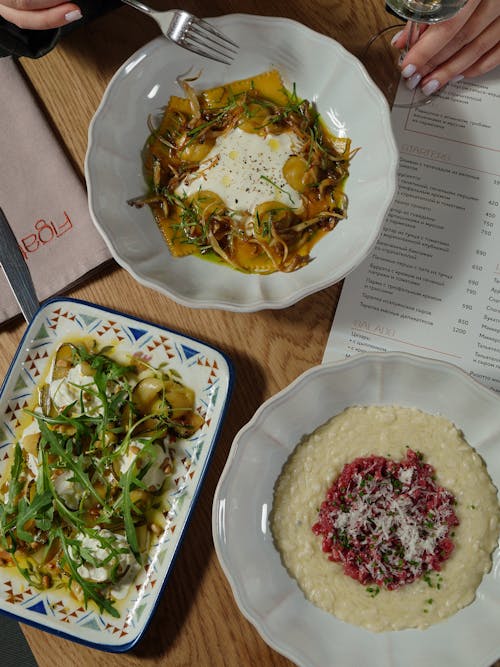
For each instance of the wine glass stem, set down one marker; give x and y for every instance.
(413, 35)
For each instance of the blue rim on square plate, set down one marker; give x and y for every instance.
(203, 368)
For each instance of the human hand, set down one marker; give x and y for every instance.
(39, 14)
(467, 45)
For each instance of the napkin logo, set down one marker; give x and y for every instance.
(44, 232)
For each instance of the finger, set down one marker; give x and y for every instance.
(480, 32)
(400, 40)
(478, 57)
(42, 19)
(30, 5)
(485, 64)
(435, 38)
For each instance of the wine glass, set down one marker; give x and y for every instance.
(417, 13)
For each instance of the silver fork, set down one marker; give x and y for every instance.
(191, 33)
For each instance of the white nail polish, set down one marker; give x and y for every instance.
(408, 71)
(396, 36)
(413, 81)
(431, 87)
(75, 15)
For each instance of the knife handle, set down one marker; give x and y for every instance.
(16, 270)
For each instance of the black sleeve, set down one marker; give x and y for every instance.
(17, 42)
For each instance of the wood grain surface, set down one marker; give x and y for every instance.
(197, 621)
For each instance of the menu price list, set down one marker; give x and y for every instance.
(431, 286)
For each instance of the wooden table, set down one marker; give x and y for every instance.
(196, 623)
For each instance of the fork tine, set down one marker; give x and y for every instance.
(199, 40)
(191, 33)
(219, 35)
(202, 38)
(207, 54)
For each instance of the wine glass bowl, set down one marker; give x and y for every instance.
(426, 11)
(381, 61)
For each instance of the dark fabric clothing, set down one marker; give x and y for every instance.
(15, 650)
(36, 43)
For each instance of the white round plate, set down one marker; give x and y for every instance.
(264, 591)
(325, 73)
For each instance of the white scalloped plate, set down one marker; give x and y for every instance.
(264, 591)
(325, 73)
(201, 367)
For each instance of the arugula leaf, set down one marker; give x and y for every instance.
(87, 449)
(15, 485)
(91, 590)
(127, 506)
(52, 439)
(27, 511)
(45, 522)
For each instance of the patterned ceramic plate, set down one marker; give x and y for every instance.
(201, 367)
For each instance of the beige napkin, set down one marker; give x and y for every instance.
(42, 197)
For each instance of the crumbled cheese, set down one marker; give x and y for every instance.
(32, 429)
(155, 475)
(69, 490)
(122, 564)
(405, 475)
(401, 518)
(77, 388)
(386, 521)
(32, 463)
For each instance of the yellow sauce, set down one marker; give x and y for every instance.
(246, 173)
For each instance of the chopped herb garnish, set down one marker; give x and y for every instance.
(103, 453)
(186, 147)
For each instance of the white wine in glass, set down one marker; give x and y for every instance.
(426, 11)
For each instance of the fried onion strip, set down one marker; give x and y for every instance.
(180, 151)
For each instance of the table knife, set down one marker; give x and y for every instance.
(16, 270)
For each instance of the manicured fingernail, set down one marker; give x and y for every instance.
(431, 87)
(408, 71)
(457, 78)
(396, 36)
(75, 15)
(413, 81)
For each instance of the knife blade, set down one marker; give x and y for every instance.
(16, 270)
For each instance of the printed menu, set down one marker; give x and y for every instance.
(431, 285)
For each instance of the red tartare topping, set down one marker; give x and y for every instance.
(387, 522)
